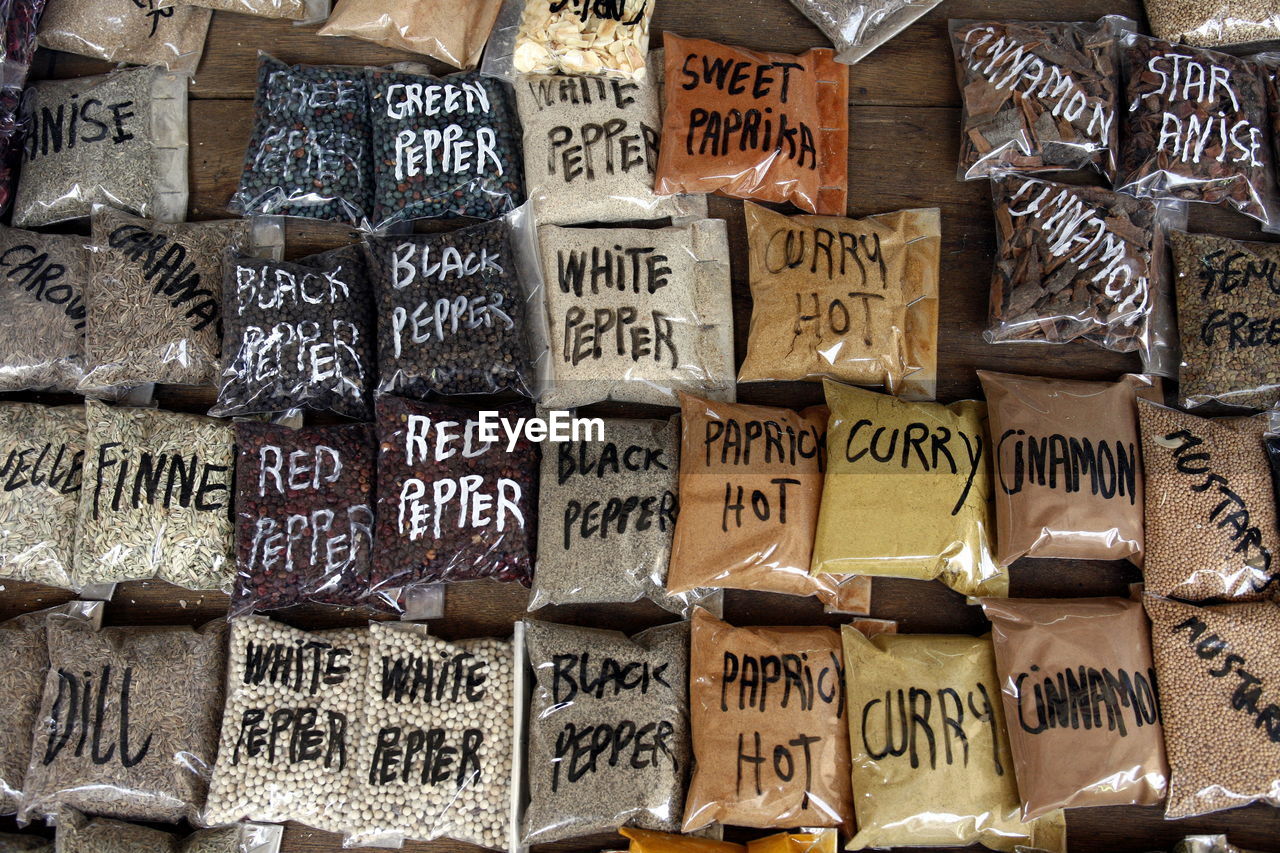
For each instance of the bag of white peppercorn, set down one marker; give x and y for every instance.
(858, 27)
(10, 843)
(127, 31)
(599, 692)
(583, 38)
(300, 11)
(297, 335)
(637, 314)
(1218, 669)
(127, 725)
(294, 711)
(42, 310)
(457, 698)
(1213, 23)
(42, 451)
(129, 149)
(157, 499)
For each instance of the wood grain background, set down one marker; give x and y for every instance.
(903, 141)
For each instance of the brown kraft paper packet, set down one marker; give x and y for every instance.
(1068, 467)
(760, 125)
(767, 711)
(1079, 691)
(750, 487)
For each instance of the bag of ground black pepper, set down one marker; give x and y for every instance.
(922, 792)
(452, 31)
(864, 313)
(310, 154)
(858, 27)
(459, 699)
(1213, 23)
(1210, 511)
(908, 492)
(304, 515)
(747, 521)
(766, 758)
(1068, 471)
(598, 692)
(11, 843)
(128, 150)
(1195, 128)
(582, 37)
(297, 335)
(1079, 692)
(157, 499)
(782, 138)
(42, 310)
(302, 11)
(41, 461)
(133, 31)
(295, 702)
(454, 504)
(1228, 296)
(1060, 116)
(1218, 671)
(128, 721)
(637, 314)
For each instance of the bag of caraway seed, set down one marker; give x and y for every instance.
(42, 310)
(12, 843)
(127, 31)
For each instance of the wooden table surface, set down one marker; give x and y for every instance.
(903, 141)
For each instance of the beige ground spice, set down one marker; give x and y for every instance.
(453, 31)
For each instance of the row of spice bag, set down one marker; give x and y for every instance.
(386, 733)
(79, 833)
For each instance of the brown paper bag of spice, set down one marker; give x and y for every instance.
(1079, 692)
(848, 299)
(452, 31)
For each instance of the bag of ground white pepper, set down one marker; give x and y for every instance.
(296, 335)
(452, 31)
(10, 843)
(927, 790)
(127, 31)
(608, 741)
(637, 314)
(857, 27)
(127, 725)
(1218, 668)
(458, 699)
(554, 37)
(1210, 509)
(42, 310)
(301, 11)
(128, 150)
(156, 501)
(866, 315)
(42, 451)
(1213, 23)
(294, 710)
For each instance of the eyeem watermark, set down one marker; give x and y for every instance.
(557, 426)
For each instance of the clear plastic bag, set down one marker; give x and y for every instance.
(1217, 667)
(452, 31)
(747, 521)
(156, 500)
(1272, 441)
(1067, 466)
(21, 19)
(598, 688)
(127, 725)
(858, 27)
(581, 37)
(300, 11)
(128, 150)
(637, 314)
(304, 510)
(133, 31)
(894, 506)
(12, 843)
(297, 335)
(926, 791)
(42, 451)
(42, 310)
(1207, 844)
(1050, 654)
(1210, 509)
(766, 758)
(310, 154)
(865, 314)
(1215, 23)
(783, 138)
(80, 834)
(458, 697)
(649, 841)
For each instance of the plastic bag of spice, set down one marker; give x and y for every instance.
(297, 335)
(609, 39)
(127, 31)
(1272, 441)
(156, 501)
(80, 834)
(13, 843)
(858, 27)
(782, 138)
(749, 507)
(452, 31)
(1218, 667)
(301, 11)
(1062, 116)
(42, 310)
(1206, 844)
(21, 19)
(924, 792)
(310, 153)
(637, 314)
(127, 725)
(766, 758)
(1228, 300)
(1210, 509)
(1079, 689)
(459, 695)
(128, 150)
(594, 689)
(1213, 23)
(649, 841)
(865, 313)
(304, 515)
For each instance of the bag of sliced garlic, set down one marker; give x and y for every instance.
(589, 37)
